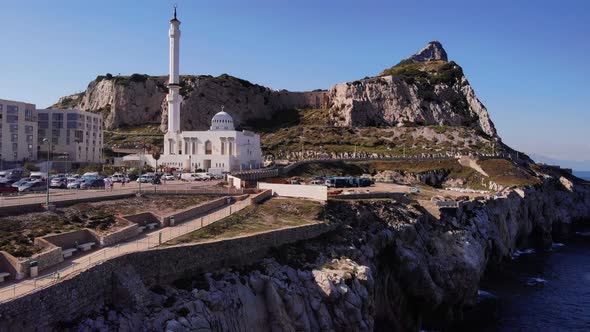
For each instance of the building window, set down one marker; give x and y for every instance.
(54, 141)
(13, 128)
(43, 124)
(208, 147)
(57, 124)
(222, 147)
(11, 118)
(30, 147)
(43, 117)
(28, 115)
(29, 138)
(14, 146)
(11, 109)
(1, 107)
(28, 129)
(55, 132)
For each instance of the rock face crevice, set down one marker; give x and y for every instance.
(389, 267)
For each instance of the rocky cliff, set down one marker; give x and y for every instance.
(390, 266)
(424, 89)
(140, 99)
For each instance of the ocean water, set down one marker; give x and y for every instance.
(584, 175)
(544, 291)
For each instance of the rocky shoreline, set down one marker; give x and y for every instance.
(390, 266)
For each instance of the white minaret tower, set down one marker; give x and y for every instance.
(174, 97)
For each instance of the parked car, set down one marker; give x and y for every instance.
(21, 182)
(32, 186)
(190, 177)
(216, 176)
(5, 187)
(203, 177)
(146, 178)
(38, 176)
(58, 182)
(74, 183)
(168, 177)
(88, 184)
(118, 177)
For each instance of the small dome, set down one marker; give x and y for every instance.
(222, 121)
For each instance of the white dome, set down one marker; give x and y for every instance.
(222, 121)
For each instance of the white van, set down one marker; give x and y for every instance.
(190, 177)
(38, 176)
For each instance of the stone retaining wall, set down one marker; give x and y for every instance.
(120, 235)
(69, 239)
(196, 211)
(10, 264)
(143, 218)
(72, 298)
(262, 196)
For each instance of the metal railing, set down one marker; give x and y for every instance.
(63, 195)
(148, 241)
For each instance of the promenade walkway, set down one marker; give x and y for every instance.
(71, 267)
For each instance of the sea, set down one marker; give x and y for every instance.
(583, 174)
(544, 291)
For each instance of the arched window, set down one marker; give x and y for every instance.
(208, 147)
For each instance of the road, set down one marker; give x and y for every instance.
(56, 195)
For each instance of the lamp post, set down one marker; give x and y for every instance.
(48, 141)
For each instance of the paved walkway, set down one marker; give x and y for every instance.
(78, 264)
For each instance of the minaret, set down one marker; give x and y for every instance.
(174, 80)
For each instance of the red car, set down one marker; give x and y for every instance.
(7, 188)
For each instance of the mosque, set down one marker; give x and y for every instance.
(217, 150)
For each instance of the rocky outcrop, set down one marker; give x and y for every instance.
(424, 89)
(433, 51)
(140, 99)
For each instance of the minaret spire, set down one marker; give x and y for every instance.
(174, 97)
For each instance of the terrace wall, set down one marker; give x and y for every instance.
(262, 196)
(69, 239)
(196, 211)
(143, 218)
(10, 264)
(120, 235)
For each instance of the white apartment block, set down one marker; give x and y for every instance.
(73, 135)
(18, 131)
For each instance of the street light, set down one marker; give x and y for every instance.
(47, 168)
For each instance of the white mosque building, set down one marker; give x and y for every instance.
(219, 149)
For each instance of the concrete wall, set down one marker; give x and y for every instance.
(143, 218)
(234, 181)
(196, 211)
(262, 196)
(296, 190)
(71, 298)
(120, 235)
(10, 264)
(69, 239)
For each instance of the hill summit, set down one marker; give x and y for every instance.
(433, 51)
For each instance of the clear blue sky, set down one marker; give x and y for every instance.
(527, 60)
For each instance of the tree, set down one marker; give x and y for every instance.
(31, 167)
(156, 155)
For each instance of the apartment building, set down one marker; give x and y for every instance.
(72, 135)
(18, 131)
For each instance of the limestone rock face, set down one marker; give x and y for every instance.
(433, 51)
(141, 99)
(431, 91)
(393, 101)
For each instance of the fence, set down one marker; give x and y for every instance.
(72, 196)
(148, 241)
